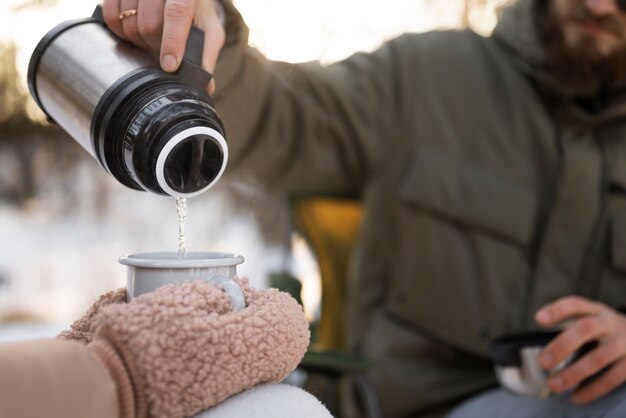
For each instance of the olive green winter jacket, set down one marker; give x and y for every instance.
(489, 190)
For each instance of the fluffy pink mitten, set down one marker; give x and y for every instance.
(181, 349)
(83, 329)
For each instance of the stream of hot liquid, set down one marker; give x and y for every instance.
(181, 209)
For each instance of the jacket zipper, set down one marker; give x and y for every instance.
(598, 252)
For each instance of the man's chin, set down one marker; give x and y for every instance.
(588, 66)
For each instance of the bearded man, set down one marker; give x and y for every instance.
(492, 172)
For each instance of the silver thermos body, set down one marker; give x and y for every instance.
(151, 130)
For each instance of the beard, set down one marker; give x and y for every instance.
(582, 68)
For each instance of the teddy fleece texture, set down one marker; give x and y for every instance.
(186, 350)
(83, 329)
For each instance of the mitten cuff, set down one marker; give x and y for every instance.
(132, 403)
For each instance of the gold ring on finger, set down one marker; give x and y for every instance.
(127, 13)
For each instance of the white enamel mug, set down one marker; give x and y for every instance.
(148, 271)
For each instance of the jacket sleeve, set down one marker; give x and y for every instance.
(306, 128)
(54, 378)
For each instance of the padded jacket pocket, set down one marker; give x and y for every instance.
(471, 194)
(461, 250)
(612, 281)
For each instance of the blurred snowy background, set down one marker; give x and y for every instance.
(64, 222)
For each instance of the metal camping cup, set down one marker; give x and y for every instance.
(151, 130)
(516, 361)
(148, 271)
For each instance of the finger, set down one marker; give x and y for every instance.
(590, 364)
(571, 339)
(603, 384)
(565, 308)
(111, 14)
(129, 24)
(150, 22)
(177, 18)
(206, 18)
(213, 43)
(212, 86)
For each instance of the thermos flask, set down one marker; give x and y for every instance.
(151, 130)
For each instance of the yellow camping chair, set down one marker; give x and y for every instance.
(330, 226)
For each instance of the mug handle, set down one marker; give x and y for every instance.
(232, 289)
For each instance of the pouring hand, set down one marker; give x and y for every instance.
(163, 25)
(590, 321)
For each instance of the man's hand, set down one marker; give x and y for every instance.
(590, 321)
(163, 25)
